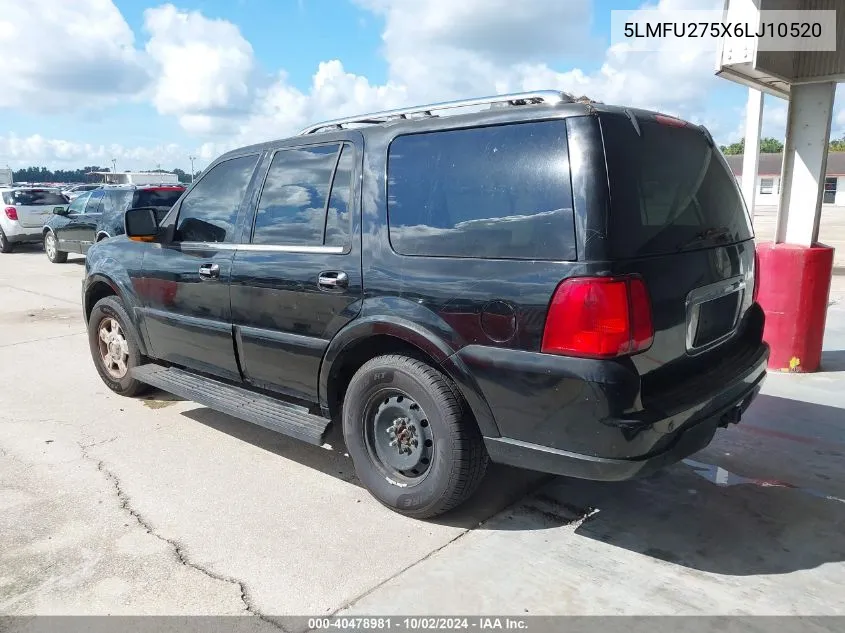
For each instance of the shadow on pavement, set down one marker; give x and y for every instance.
(833, 360)
(501, 487)
(695, 514)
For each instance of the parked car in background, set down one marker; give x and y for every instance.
(97, 215)
(25, 210)
(73, 192)
(562, 286)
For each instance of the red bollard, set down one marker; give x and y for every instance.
(794, 290)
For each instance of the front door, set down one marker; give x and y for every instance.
(185, 281)
(297, 279)
(76, 235)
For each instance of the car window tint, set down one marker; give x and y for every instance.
(670, 190)
(338, 219)
(494, 192)
(94, 202)
(158, 198)
(78, 204)
(291, 209)
(209, 212)
(37, 198)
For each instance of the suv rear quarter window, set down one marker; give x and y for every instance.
(492, 192)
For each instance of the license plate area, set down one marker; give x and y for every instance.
(713, 313)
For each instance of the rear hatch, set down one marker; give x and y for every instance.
(33, 206)
(677, 219)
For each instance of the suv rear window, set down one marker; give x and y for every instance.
(34, 198)
(499, 192)
(160, 198)
(670, 189)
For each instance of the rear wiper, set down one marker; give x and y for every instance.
(721, 234)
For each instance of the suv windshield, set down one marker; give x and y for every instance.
(670, 189)
(34, 198)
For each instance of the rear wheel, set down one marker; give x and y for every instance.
(114, 347)
(51, 247)
(409, 436)
(5, 245)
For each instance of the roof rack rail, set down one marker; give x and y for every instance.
(550, 97)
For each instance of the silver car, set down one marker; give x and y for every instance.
(25, 211)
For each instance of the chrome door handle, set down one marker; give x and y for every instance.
(210, 271)
(335, 280)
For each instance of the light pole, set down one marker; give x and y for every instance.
(192, 159)
(114, 165)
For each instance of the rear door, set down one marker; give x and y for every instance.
(297, 278)
(678, 220)
(35, 206)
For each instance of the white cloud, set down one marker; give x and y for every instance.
(204, 67)
(60, 55)
(36, 150)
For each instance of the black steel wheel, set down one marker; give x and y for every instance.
(414, 444)
(398, 435)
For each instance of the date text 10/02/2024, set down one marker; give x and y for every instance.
(719, 29)
(418, 623)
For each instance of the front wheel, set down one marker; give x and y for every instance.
(114, 347)
(407, 430)
(51, 247)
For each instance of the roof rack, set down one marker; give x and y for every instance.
(550, 97)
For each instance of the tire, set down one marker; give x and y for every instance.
(106, 313)
(379, 403)
(5, 245)
(51, 247)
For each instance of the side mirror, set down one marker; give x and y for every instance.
(141, 224)
(60, 211)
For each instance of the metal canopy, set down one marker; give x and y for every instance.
(775, 72)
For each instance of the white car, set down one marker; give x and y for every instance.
(71, 193)
(25, 211)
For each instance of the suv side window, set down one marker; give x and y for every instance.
(78, 204)
(95, 200)
(296, 201)
(209, 212)
(116, 201)
(499, 192)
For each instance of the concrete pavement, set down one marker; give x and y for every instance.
(158, 506)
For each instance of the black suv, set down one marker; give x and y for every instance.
(555, 284)
(99, 214)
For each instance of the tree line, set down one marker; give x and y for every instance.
(42, 174)
(770, 145)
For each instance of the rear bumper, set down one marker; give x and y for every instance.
(584, 418)
(685, 442)
(17, 234)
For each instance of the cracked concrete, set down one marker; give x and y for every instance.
(178, 550)
(110, 506)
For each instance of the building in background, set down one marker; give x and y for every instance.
(769, 178)
(134, 177)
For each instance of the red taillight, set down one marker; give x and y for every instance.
(670, 120)
(756, 290)
(11, 213)
(599, 317)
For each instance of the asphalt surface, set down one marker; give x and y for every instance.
(111, 505)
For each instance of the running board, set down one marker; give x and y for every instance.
(236, 401)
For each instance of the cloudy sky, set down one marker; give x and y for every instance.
(85, 81)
